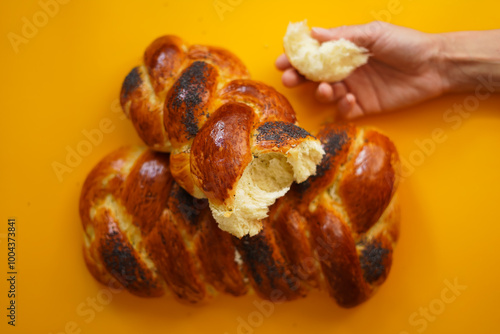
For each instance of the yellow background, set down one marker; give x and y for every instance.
(66, 79)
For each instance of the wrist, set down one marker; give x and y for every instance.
(465, 57)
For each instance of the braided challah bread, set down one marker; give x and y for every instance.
(335, 232)
(231, 139)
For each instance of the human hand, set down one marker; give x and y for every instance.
(404, 69)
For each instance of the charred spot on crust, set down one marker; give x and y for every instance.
(189, 90)
(332, 144)
(280, 132)
(372, 261)
(254, 256)
(120, 261)
(257, 253)
(188, 206)
(131, 82)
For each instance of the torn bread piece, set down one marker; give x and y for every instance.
(329, 61)
(198, 103)
(281, 154)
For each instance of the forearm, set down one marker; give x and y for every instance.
(469, 58)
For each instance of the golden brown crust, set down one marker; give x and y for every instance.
(163, 60)
(337, 141)
(219, 266)
(146, 188)
(146, 114)
(336, 252)
(291, 229)
(272, 106)
(221, 152)
(367, 185)
(173, 260)
(174, 95)
(180, 167)
(146, 233)
(229, 65)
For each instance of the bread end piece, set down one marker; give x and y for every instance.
(329, 61)
(266, 178)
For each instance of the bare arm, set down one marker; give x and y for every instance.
(406, 67)
(468, 56)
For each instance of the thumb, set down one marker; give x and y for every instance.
(362, 35)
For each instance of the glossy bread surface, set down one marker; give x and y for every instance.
(179, 98)
(146, 233)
